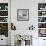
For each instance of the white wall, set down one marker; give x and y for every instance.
(32, 5)
(24, 4)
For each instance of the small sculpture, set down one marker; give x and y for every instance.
(13, 27)
(31, 27)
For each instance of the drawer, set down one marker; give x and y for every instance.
(3, 41)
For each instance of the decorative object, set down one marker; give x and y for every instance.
(42, 19)
(3, 19)
(23, 14)
(43, 13)
(6, 7)
(3, 13)
(27, 39)
(13, 27)
(42, 33)
(41, 25)
(4, 29)
(23, 40)
(31, 27)
(41, 6)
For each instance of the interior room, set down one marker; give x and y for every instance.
(22, 22)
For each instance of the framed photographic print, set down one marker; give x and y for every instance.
(22, 14)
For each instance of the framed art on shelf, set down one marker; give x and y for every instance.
(22, 14)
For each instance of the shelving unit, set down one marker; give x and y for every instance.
(4, 19)
(42, 19)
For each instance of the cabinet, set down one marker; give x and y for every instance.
(3, 40)
(42, 19)
(4, 19)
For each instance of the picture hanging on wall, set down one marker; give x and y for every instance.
(22, 14)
